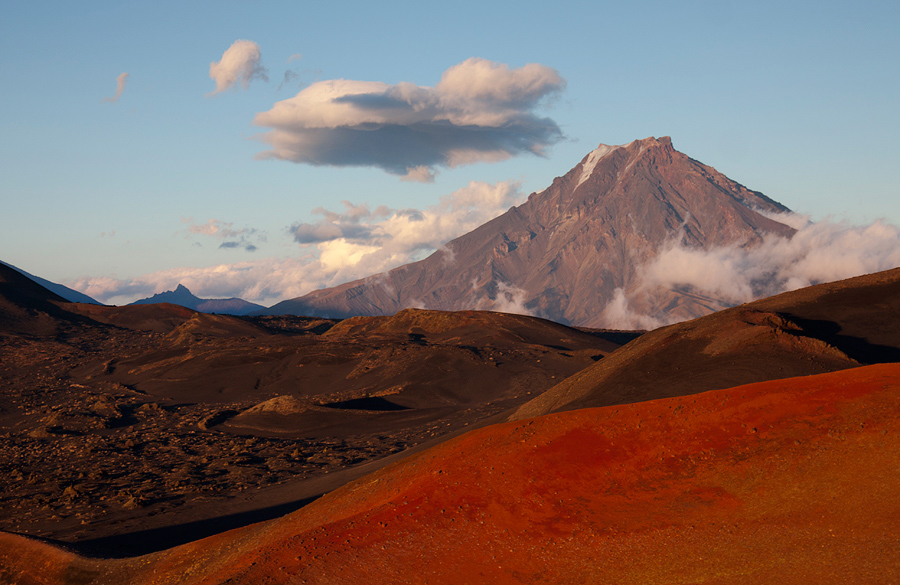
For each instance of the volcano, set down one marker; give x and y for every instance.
(564, 253)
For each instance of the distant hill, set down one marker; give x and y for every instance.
(73, 296)
(182, 296)
(562, 254)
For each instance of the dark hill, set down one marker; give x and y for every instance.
(73, 296)
(27, 308)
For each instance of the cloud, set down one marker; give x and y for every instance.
(618, 315)
(480, 111)
(120, 87)
(264, 281)
(510, 299)
(359, 241)
(818, 252)
(235, 238)
(289, 76)
(419, 174)
(239, 63)
(355, 242)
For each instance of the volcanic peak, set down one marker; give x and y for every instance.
(565, 252)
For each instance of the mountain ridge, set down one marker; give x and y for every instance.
(68, 294)
(184, 297)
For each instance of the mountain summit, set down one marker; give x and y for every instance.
(565, 252)
(182, 296)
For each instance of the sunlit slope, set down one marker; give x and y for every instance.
(788, 481)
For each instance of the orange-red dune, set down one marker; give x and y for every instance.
(789, 481)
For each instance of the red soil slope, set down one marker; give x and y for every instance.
(788, 481)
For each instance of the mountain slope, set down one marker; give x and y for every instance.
(27, 308)
(817, 329)
(73, 296)
(563, 253)
(182, 296)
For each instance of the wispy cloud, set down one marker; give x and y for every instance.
(239, 63)
(480, 111)
(120, 87)
(289, 76)
(234, 238)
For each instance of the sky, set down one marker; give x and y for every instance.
(266, 149)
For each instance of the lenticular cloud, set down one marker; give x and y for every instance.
(480, 111)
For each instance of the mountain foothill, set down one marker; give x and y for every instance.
(346, 437)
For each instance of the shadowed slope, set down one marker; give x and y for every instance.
(27, 308)
(72, 296)
(813, 330)
(789, 481)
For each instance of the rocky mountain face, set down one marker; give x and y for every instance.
(563, 253)
(182, 296)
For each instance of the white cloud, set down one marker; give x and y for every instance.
(818, 252)
(419, 174)
(509, 299)
(360, 242)
(347, 245)
(120, 87)
(480, 111)
(619, 315)
(239, 63)
(264, 281)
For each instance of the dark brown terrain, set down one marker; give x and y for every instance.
(134, 428)
(562, 253)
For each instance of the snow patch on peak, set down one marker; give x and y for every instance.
(594, 157)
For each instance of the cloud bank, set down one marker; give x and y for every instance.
(819, 252)
(344, 245)
(120, 87)
(239, 63)
(480, 111)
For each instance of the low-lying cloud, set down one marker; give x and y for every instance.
(360, 241)
(480, 111)
(345, 245)
(818, 252)
(240, 63)
(120, 87)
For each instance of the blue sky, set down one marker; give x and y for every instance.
(124, 198)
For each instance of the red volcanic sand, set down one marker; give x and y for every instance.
(789, 481)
